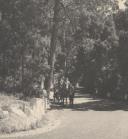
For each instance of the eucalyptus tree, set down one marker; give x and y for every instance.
(24, 43)
(122, 29)
(97, 40)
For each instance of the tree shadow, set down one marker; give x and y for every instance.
(101, 105)
(95, 104)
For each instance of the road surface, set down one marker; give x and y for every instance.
(90, 119)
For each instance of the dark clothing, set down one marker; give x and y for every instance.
(71, 94)
(46, 84)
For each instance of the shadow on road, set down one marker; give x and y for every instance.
(94, 104)
(101, 105)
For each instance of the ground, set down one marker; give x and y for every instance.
(90, 118)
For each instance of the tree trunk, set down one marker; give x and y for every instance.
(22, 71)
(53, 43)
(3, 72)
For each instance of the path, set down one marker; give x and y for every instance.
(90, 119)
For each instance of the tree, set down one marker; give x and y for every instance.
(24, 42)
(97, 39)
(122, 53)
(53, 43)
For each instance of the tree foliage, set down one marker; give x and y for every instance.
(89, 39)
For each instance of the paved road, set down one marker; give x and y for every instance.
(90, 119)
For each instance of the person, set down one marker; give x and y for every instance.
(46, 83)
(67, 84)
(56, 93)
(71, 94)
(62, 91)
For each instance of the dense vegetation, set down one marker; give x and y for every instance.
(84, 40)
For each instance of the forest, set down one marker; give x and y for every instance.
(84, 40)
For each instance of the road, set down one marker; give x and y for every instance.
(90, 119)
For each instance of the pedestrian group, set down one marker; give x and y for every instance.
(63, 91)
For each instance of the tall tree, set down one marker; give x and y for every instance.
(53, 42)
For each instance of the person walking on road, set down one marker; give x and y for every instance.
(71, 94)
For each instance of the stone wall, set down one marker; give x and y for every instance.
(22, 115)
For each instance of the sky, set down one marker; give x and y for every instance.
(121, 4)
